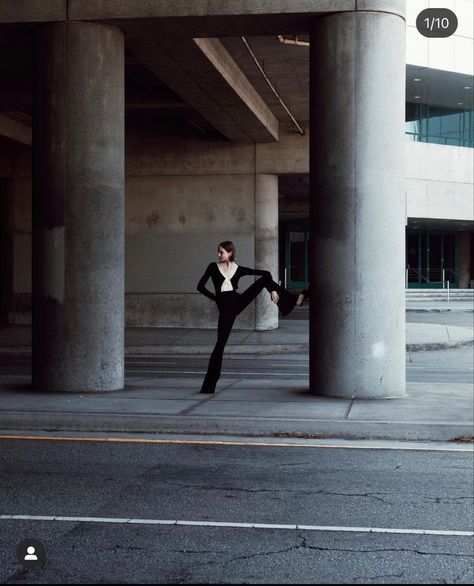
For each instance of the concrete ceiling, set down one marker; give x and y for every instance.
(430, 224)
(214, 85)
(439, 88)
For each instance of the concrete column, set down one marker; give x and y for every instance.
(78, 208)
(266, 245)
(465, 260)
(7, 223)
(357, 205)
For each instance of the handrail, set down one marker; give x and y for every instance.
(429, 272)
(432, 275)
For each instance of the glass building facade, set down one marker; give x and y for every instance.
(439, 125)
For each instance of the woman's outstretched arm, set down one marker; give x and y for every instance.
(270, 283)
(248, 271)
(201, 286)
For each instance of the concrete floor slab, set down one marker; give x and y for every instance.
(423, 403)
(95, 404)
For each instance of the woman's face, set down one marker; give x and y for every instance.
(223, 255)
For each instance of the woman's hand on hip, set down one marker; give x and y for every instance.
(275, 297)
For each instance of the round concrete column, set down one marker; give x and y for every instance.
(78, 208)
(357, 195)
(266, 245)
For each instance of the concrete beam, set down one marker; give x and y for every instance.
(32, 10)
(203, 73)
(15, 129)
(210, 17)
(98, 9)
(253, 114)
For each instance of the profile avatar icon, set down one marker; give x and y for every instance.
(31, 554)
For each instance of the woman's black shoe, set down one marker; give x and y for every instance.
(207, 392)
(287, 302)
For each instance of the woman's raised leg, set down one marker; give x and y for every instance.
(286, 302)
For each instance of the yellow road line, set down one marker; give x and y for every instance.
(230, 443)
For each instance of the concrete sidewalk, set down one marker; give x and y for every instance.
(243, 407)
(262, 405)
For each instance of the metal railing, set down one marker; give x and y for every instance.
(431, 276)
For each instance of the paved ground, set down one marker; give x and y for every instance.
(253, 397)
(248, 512)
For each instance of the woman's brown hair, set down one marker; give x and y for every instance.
(228, 246)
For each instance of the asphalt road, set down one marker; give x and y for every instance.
(340, 495)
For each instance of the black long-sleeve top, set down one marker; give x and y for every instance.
(217, 277)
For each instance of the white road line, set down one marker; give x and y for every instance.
(237, 525)
(153, 362)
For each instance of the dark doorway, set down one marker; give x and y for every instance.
(432, 258)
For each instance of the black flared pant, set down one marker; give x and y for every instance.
(230, 304)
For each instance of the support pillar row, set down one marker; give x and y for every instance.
(78, 208)
(266, 245)
(357, 199)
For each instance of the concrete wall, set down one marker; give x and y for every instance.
(289, 155)
(185, 194)
(22, 235)
(173, 227)
(174, 224)
(439, 181)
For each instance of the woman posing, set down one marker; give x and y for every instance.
(225, 275)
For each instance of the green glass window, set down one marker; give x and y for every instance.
(439, 125)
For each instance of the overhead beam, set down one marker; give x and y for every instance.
(203, 74)
(207, 17)
(98, 9)
(239, 96)
(32, 10)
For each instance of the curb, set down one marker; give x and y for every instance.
(251, 426)
(241, 349)
(438, 346)
(454, 310)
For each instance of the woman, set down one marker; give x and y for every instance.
(225, 275)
